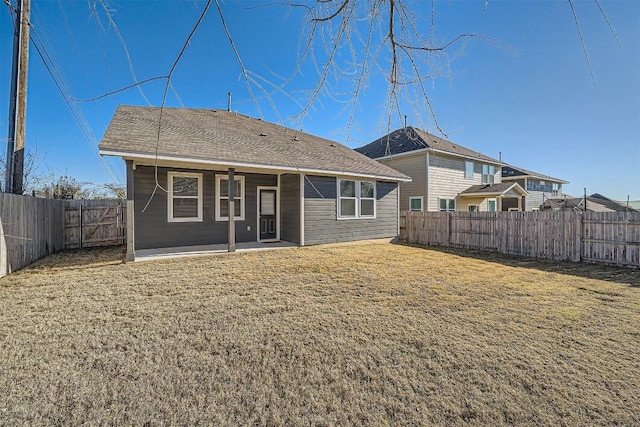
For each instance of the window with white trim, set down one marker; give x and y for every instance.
(446, 205)
(356, 199)
(492, 205)
(415, 204)
(473, 208)
(488, 174)
(468, 170)
(222, 197)
(184, 197)
(555, 189)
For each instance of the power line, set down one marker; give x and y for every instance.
(63, 88)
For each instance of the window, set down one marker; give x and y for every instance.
(491, 205)
(222, 198)
(415, 204)
(539, 185)
(488, 174)
(367, 198)
(356, 199)
(185, 197)
(468, 170)
(447, 205)
(555, 189)
(474, 208)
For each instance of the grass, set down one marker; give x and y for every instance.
(369, 334)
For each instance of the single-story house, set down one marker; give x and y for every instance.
(187, 169)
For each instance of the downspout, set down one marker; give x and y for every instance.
(301, 209)
(131, 250)
(232, 211)
(426, 184)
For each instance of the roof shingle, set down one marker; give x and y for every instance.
(411, 139)
(201, 134)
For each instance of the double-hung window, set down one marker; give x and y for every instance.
(222, 198)
(468, 170)
(184, 197)
(488, 174)
(356, 199)
(555, 189)
(415, 204)
(447, 205)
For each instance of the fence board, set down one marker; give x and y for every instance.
(92, 224)
(30, 228)
(610, 237)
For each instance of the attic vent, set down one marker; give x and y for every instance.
(295, 138)
(263, 134)
(333, 145)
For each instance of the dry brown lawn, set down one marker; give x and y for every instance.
(368, 334)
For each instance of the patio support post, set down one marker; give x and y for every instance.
(232, 224)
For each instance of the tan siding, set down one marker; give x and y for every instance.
(415, 167)
(462, 204)
(535, 199)
(446, 179)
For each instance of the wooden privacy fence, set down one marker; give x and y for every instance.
(32, 228)
(611, 237)
(91, 223)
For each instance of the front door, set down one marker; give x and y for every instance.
(267, 214)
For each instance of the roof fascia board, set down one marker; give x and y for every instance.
(515, 186)
(541, 177)
(434, 150)
(227, 164)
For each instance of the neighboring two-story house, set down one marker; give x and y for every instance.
(540, 187)
(445, 176)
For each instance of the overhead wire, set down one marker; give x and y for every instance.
(164, 98)
(59, 81)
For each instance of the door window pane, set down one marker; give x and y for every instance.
(267, 203)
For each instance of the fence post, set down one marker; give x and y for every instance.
(449, 225)
(80, 232)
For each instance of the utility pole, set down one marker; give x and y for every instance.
(18, 100)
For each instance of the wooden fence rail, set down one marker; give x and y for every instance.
(32, 228)
(610, 237)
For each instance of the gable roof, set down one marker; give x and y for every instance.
(614, 205)
(410, 139)
(513, 172)
(493, 189)
(224, 138)
(594, 204)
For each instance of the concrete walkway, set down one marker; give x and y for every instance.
(184, 251)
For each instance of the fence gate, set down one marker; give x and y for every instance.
(90, 226)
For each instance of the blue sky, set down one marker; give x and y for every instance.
(529, 94)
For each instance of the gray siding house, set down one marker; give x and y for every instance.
(540, 187)
(187, 169)
(445, 176)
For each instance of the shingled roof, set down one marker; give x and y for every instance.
(221, 137)
(489, 189)
(410, 139)
(510, 171)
